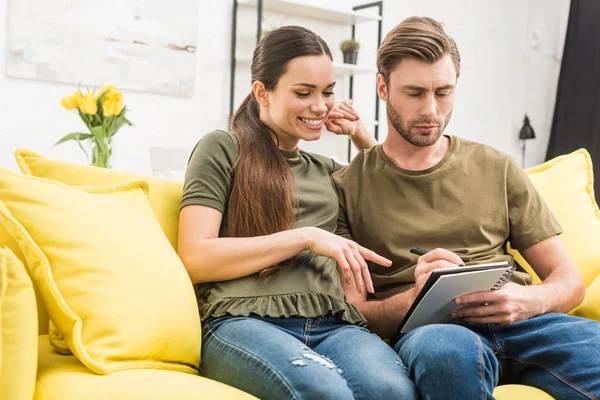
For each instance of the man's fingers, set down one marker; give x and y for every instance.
(441, 254)
(479, 311)
(492, 319)
(372, 256)
(424, 267)
(490, 296)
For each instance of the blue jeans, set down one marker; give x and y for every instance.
(300, 358)
(557, 353)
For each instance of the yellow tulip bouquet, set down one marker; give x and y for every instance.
(104, 115)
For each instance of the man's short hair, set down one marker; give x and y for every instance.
(420, 38)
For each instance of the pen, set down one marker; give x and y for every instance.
(421, 252)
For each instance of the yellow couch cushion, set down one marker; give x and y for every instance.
(517, 392)
(111, 282)
(590, 307)
(64, 378)
(18, 329)
(164, 196)
(567, 185)
(7, 241)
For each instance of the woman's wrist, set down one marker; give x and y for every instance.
(362, 138)
(306, 236)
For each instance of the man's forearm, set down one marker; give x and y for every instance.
(384, 316)
(562, 291)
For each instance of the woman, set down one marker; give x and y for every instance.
(256, 236)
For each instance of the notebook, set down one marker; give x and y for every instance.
(435, 302)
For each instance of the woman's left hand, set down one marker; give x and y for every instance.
(342, 119)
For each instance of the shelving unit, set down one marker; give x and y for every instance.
(286, 7)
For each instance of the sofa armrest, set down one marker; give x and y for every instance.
(18, 330)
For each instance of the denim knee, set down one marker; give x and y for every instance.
(443, 344)
(388, 385)
(322, 389)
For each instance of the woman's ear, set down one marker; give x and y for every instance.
(260, 93)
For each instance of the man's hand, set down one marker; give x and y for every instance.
(510, 304)
(435, 259)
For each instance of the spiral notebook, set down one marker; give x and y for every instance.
(435, 302)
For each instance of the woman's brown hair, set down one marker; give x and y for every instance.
(263, 199)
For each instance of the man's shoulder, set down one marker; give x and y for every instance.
(471, 151)
(360, 165)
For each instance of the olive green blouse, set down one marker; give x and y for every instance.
(308, 285)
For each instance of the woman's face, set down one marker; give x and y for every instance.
(303, 97)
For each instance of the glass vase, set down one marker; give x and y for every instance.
(102, 154)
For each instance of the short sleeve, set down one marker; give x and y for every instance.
(330, 164)
(337, 166)
(530, 219)
(209, 174)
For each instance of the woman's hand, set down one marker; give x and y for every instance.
(343, 119)
(350, 256)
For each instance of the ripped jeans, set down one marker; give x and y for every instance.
(303, 358)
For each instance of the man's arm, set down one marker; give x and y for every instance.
(562, 289)
(384, 316)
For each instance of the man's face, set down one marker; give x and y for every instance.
(420, 99)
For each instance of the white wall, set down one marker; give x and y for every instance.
(501, 79)
(31, 117)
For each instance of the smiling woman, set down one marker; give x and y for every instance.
(256, 235)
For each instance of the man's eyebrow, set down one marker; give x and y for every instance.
(422, 89)
(309, 85)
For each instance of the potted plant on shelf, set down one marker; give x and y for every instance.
(350, 49)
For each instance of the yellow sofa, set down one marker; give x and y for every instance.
(58, 376)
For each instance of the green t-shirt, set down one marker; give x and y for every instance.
(308, 285)
(472, 202)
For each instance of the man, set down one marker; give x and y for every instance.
(421, 188)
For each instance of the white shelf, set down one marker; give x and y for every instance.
(312, 12)
(351, 69)
(338, 68)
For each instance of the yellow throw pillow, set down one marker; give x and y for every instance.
(164, 196)
(18, 330)
(111, 282)
(7, 241)
(567, 185)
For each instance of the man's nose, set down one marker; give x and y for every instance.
(430, 106)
